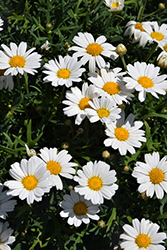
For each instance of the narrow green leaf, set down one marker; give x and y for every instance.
(111, 219)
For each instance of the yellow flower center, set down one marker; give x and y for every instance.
(139, 26)
(143, 240)
(112, 88)
(53, 167)
(94, 49)
(121, 134)
(157, 35)
(156, 176)
(83, 104)
(115, 5)
(103, 112)
(63, 73)
(17, 61)
(145, 82)
(165, 47)
(30, 182)
(95, 183)
(80, 208)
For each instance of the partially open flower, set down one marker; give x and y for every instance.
(121, 49)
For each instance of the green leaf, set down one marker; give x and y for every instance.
(111, 219)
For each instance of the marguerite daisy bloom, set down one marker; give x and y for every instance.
(111, 84)
(1, 23)
(64, 72)
(142, 235)
(6, 204)
(78, 101)
(16, 60)
(154, 32)
(115, 5)
(102, 109)
(92, 50)
(78, 209)
(5, 236)
(135, 30)
(58, 164)
(124, 135)
(152, 175)
(31, 180)
(96, 182)
(145, 78)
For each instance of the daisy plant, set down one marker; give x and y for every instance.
(152, 175)
(111, 84)
(17, 60)
(102, 109)
(31, 180)
(92, 50)
(114, 5)
(96, 182)
(6, 203)
(142, 235)
(124, 135)
(78, 209)
(58, 164)
(63, 72)
(77, 101)
(5, 236)
(145, 78)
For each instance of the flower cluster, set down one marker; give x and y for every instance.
(102, 98)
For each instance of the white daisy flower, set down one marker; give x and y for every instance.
(64, 72)
(78, 209)
(45, 45)
(1, 23)
(102, 109)
(6, 204)
(58, 164)
(6, 81)
(112, 85)
(115, 5)
(5, 236)
(78, 101)
(96, 182)
(142, 235)
(124, 135)
(152, 175)
(16, 60)
(31, 180)
(145, 78)
(154, 32)
(135, 30)
(92, 50)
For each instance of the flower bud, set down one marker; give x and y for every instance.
(126, 168)
(68, 122)
(162, 61)
(161, 6)
(65, 145)
(70, 187)
(105, 154)
(30, 152)
(101, 223)
(121, 49)
(80, 131)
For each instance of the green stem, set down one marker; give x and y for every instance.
(21, 94)
(124, 63)
(151, 52)
(141, 10)
(26, 82)
(150, 14)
